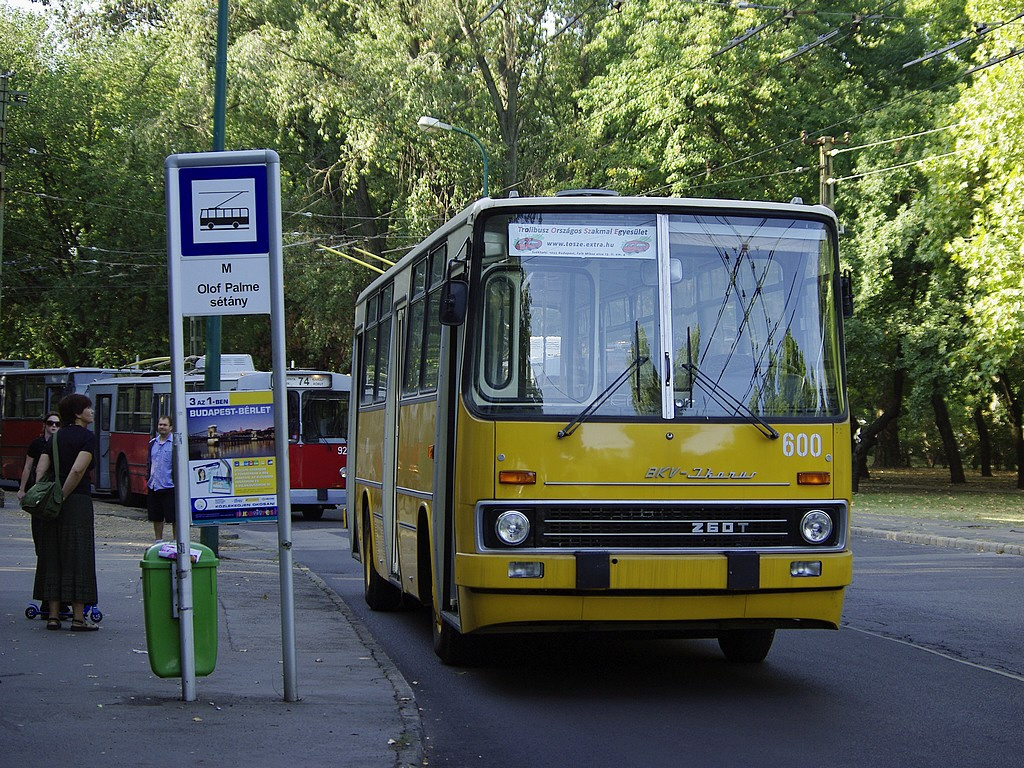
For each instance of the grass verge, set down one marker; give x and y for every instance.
(928, 493)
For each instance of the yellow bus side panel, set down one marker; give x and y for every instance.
(416, 432)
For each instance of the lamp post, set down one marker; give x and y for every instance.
(433, 125)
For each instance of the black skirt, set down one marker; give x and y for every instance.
(66, 565)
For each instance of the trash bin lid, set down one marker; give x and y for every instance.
(152, 558)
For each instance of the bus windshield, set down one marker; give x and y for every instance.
(324, 415)
(714, 316)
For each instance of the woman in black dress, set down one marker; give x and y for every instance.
(51, 422)
(68, 560)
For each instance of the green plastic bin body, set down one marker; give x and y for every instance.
(163, 634)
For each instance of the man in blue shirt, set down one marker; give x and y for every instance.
(160, 498)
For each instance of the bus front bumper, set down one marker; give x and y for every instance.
(678, 591)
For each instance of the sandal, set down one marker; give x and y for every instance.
(53, 623)
(78, 625)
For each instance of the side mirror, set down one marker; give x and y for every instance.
(454, 301)
(846, 285)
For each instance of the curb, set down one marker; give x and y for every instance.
(409, 751)
(940, 541)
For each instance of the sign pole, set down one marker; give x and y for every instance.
(182, 513)
(280, 387)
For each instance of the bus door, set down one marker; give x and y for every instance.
(391, 437)
(442, 533)
(104, 410)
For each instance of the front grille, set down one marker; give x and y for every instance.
(720, 526)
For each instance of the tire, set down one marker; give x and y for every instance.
(125, 497)
(312, 513)
(379, 593)
(746, 646)
(453, 648)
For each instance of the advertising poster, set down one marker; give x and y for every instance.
(232, 476)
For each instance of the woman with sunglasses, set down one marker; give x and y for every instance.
(51, 423)
(68, 560)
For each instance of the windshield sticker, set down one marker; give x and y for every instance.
(582, 241)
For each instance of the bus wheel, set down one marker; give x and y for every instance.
(379, 593)
(312, 513)
(124, 486)
(451, 646)
(746, 646)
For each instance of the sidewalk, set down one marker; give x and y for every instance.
(980, 537)
(91, 699)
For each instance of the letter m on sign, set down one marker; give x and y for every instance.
(225, 268)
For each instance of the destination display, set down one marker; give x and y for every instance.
(582, 241)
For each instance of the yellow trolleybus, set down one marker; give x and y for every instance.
(592, 412)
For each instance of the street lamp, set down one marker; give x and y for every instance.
(433, 125)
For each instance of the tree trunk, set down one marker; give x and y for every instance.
(1013, 403)
(956, 464)
(368, 215)
(984, 443)
(869, 434)
(888, 451)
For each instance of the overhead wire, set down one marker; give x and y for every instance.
(846, 121)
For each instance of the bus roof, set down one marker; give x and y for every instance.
(59, 371)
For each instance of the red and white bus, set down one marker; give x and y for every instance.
(127, 409)
(27, 395)
(317, 436)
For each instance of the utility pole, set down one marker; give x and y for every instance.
(826, 151)
(6, 97)
(210, 534)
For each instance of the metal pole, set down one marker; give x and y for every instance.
(6, 97)
(210, 535)
(183, 515)
(483, 154)
(280, 387)
(3, 165)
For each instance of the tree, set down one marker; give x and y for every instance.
(983, 183)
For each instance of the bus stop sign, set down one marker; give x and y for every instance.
(221, 207)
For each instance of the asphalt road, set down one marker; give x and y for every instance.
(928, 667)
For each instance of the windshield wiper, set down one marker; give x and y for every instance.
(598, 401)
(727, 400)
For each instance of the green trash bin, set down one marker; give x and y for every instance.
(163, 634)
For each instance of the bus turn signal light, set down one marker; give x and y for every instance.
(517, 477)
(813, 478)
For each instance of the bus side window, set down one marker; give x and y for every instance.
(412, 373)
(497, 354)
(376, 348)
(144, 411)
(124, 410)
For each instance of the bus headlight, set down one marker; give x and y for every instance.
(816, 526)
(512, 527)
